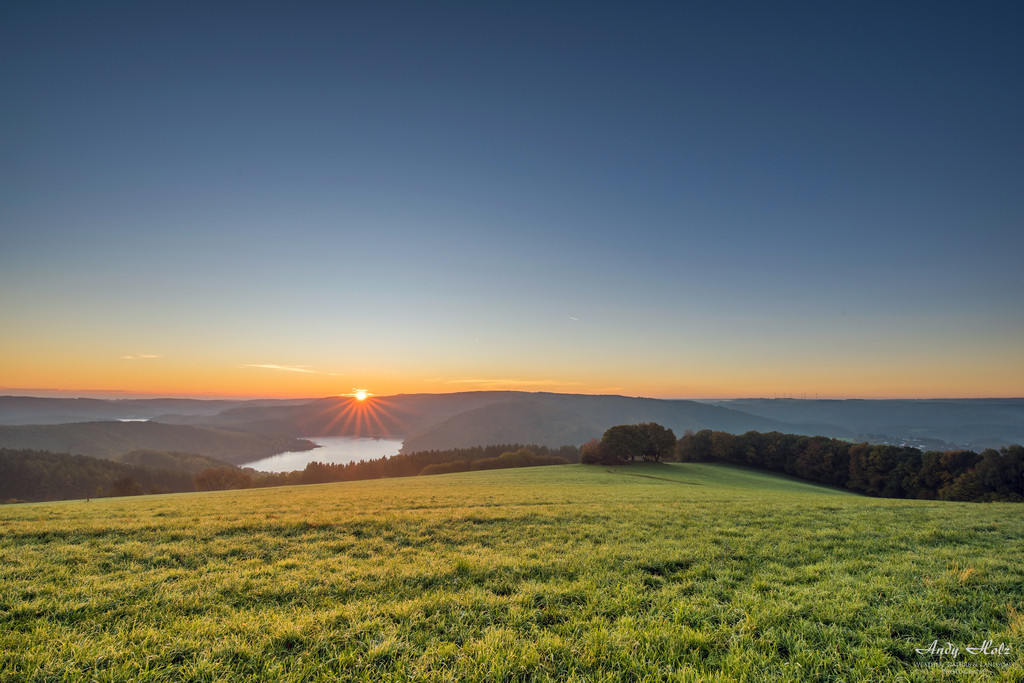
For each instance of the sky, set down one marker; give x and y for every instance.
(679, 200)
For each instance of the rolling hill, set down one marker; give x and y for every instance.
(111, 439)
(515, 421)
(22, 410)
(980, 423)
(650, 572)
(558, 419)
(170, 460)
(382, 417)
(441, 421)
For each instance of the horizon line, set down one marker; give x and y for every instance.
(124, 394)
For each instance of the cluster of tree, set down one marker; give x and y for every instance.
(521, 458)
(876, 470)
(40, 476)
(625, 443)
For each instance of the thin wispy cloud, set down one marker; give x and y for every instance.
(336, 374)
(142, 355)
(571, 318)
(287, 368)
(513, 382)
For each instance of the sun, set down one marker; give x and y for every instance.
(361, 394)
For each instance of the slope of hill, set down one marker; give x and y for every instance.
(30, 475)
(426, 419)
(110, 439)
(678, 572)
(506, 422)
(382, 417)
(557, 419)
(170, 460)
(678, 415)
(35, 410)
(976, 422)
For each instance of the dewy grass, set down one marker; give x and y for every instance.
(684, 573)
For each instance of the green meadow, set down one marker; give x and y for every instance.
(670, 572)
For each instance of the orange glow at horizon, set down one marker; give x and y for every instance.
(48, 369)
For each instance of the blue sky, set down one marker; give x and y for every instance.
(650, 199)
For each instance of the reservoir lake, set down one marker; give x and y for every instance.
(333, 449)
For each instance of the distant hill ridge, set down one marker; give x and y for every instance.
(21, 410)
(464, 419)
(977, 422)
(111, 439)
(477, 418)
(524, 420)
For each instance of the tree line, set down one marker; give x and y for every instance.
(524, 457)
(412, 464)
(30, 475)
(871, 469)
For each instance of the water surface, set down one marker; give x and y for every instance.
(333, 449)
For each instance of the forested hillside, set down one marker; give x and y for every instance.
(982, 423)
(875, 470)
(170, 460)
(459, 420)
(38, 410)
(110, 439)
(478, 418)
(31, 476)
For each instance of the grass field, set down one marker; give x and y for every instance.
(651, 572)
